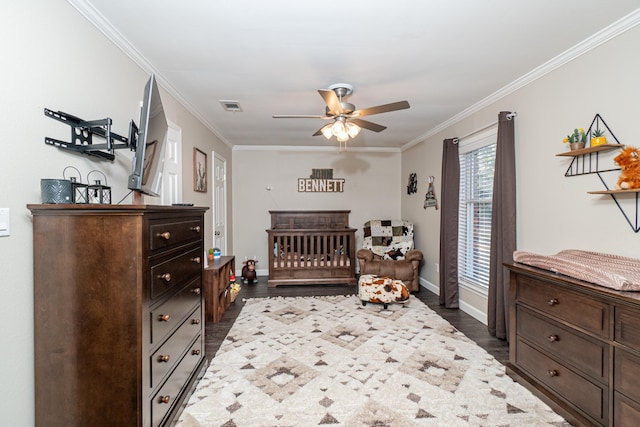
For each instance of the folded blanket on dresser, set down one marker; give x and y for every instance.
(612, 271)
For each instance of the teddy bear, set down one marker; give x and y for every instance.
(629, 162)
(249, 271)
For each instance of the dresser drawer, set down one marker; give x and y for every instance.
(626, 412)
(163, 234)
(163, 359)
(580, 310)
(626, 377)
(587, 354)
(165, 398)
(164, 318)
(592, 399)
(174, 271)
(627, 327)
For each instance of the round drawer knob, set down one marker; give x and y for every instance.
(163, 358)
(196, 291)
(164, 317)
(195, 352)
(166, 235)
(552, 373)
(196, 260)
(196, 228)
(553, 301)
(166, 277)
(195, 321)
(553, 338)
(164, 399)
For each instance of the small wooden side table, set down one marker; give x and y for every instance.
(217, 287)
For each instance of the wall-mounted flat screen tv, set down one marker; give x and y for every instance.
(148, 140)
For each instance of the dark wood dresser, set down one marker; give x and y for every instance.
(118, 313)
(576, 345)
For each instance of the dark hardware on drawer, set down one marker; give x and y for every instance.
(553, 301)
(166, 235)
(163, 358)
(164, 317)
(552, 373)
(164, 399)
(553, 338)
(195, 352)
(195, 321)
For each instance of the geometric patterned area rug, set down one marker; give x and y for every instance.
(329, 361)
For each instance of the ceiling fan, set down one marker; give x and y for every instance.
(346, 119)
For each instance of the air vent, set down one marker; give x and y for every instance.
(233, 106)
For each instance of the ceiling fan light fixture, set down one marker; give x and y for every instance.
(353, 129)
(343, 138)
(327, 131)
(338, 128)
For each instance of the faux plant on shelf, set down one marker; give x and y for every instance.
(598, 138)
(577, 139)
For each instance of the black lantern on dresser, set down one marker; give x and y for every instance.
(79, 191)
(97, 192)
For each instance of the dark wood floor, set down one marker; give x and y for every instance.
(472, 328)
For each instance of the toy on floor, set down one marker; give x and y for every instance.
(249, 274)
(629, 162)
(233, 286)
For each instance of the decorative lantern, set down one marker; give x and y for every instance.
(80, 191)
(98, 193)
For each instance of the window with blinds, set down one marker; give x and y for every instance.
(474, 222)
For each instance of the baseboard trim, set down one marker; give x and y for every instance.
(469, 309)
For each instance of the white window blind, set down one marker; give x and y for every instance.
(474, 226)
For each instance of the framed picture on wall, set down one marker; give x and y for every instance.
(199, 171)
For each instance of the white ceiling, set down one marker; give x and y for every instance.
(446, 57)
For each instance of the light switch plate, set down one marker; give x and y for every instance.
(5, 222)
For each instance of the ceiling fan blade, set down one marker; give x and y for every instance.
(299, 116)
(394, 106)
(368, 125)
(332, 101)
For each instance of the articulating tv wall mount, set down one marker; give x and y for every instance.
(82, 136)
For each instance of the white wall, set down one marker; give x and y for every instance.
(52, 57)
(554, 212)
(371, 191)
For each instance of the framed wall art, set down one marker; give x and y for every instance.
(199, 171)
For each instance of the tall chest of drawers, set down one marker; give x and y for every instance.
(118, 313)
(576, 345)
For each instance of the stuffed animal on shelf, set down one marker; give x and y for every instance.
(629, 162)
(249, 274)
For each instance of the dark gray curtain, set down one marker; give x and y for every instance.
(503, 227)
(449, 201)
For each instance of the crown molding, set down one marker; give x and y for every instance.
(98, 20)
(615, 29)
(332, 149)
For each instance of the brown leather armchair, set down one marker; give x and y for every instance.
(388, 251)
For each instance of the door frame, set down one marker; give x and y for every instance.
(225, 230)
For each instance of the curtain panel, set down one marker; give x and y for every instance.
(503, 227)
(449, 201)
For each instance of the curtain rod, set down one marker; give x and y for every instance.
(485, 127)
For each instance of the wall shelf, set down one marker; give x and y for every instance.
(586, 161)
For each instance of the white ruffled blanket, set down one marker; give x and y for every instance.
(611, 271)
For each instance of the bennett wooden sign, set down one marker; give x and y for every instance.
(321, 181)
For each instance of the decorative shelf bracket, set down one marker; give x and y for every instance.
(82, 133)
(587, 161)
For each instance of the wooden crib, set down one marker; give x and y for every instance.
(311, 247)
